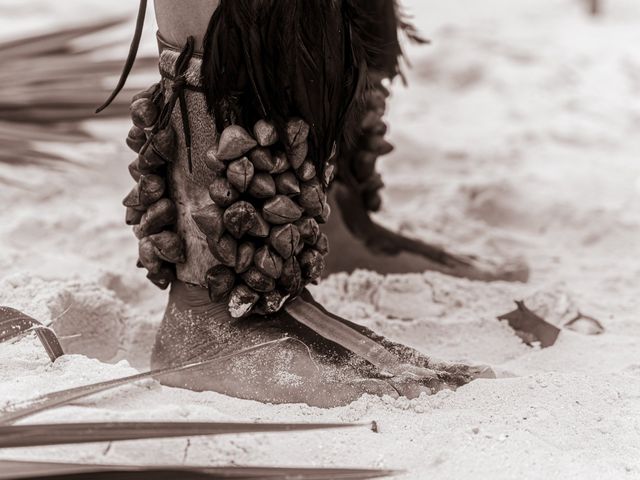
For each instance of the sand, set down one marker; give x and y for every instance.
(518, 136)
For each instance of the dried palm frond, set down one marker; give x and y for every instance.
(50, 85)
(12, 436)
(14, 323)
(530, 327)
(17, 411)
(11, 470)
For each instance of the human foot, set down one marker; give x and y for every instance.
(356, 193)
(373, 247)
(305, 368)
(241, 240)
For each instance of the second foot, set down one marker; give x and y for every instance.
(358, 242)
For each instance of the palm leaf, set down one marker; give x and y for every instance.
(50, 42)
(59, 86)
(14, 323)
(19, 410)
(12, 436)
(530, 327)
(11, 470)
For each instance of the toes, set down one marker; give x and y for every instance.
(414, 381)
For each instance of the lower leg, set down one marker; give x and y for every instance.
(179, 20)
(200, 203)
(372, 246)
(355, 194)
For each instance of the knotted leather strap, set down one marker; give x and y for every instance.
(178, 87)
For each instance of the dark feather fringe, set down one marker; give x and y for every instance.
(383, 21)
(278, 59)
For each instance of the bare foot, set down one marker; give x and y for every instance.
(306, 368)
(373, 247)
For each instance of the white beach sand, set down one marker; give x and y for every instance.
(519, 134)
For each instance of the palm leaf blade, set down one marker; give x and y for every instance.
(47, 401)
(51, 42)
(64, 433)
(13, 470)
(59, 87)
(14, 323)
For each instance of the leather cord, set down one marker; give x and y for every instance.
(131, 57)
(178, 86)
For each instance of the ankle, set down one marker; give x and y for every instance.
(192, 324)
(185, 297)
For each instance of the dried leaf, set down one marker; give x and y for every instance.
(530, 327)
(12, 436)
(258, 281)
(585, 324)
(75, 85)
(11, 470)
(14, 323)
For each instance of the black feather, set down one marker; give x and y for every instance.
(382, 21)
(278, 59)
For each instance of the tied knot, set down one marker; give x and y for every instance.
(177, 87)
(178, 84)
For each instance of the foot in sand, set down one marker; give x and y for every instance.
(306, 368)
(374, 247)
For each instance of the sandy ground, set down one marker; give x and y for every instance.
(518, 135)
